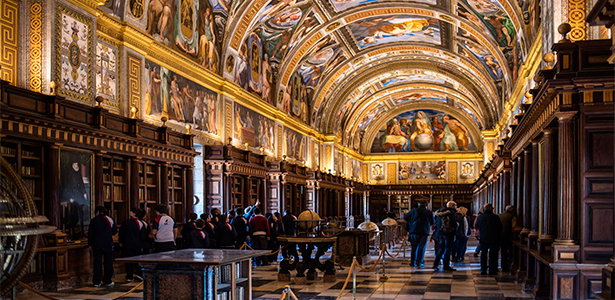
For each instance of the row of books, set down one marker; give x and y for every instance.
(8, 151)
(30, 186)
(151, 194)
(27, 153)
(27, 170)
(116, 179)
(118, 191)
(226, 295)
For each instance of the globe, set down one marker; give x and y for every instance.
(307, 220)
(423, 141)
(19, 227)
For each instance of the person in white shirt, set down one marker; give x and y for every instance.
(164, 230)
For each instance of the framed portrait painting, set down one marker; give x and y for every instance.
(76, 205)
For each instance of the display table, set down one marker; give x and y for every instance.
(210, 274)
(306, 246)
(351, 243)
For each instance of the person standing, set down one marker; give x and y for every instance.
(164, 231)
(446, 227)
(226, 233)
(147, 230)
(241, 227)
(477, 233)
(131, 239)
(462, 234)
(198, 236)
(100, 239)
(212, 232)
(259, 232)
(187, 229)
(490, 228)
(419, 222)
(509, 221)
(273, 236)
(290, 223)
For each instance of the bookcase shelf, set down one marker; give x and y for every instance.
(233, 281)
(27, 159)
(115, 189)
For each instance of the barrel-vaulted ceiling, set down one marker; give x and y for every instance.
(345, 66)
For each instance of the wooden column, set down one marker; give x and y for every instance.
(512, 183)
(566, 180)
(527, 193)
(190, 192)
(519, 191)
(506, 190)
(388, 203)
(534, 208)
(164, 183)
(549, 213)
(52, 180)
(133, 183)
(99, 194)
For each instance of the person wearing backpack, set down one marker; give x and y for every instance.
(490, 227)
(462, 234)
(446, 228)
(419, 221)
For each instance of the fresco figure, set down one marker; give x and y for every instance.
(207, 43)
(455, 136)
(396, 140)
(158, 18)
(437, 129)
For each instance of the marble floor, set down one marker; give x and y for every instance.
(404, 282)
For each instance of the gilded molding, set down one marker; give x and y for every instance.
(576, 19)
(452, 172)
(134, 82)
(9, 40)
(391, 173)
(36, 47)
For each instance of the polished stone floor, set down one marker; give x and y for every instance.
(403, 282)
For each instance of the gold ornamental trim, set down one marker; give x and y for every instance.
(36, 47)
(9, 40)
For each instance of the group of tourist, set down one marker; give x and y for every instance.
(214, 230)
(452, 228)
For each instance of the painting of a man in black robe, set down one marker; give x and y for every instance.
(75, 192)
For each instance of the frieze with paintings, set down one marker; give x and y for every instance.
(74, 48)
(75, 192)
(410, 78)
(179, 99)
(346, 4)
(419, 96)
(187, 26)
(423, 130)
(254, 129)
(422, 170)
(467, 170)
(471, 48)
(296, 145)
(115, 7)
(396, 28)
(106, 72)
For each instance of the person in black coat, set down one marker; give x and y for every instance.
(446, 227)
(274, 231)
(227, 235)
(490, 227)
(187, 229)
(241, 227)
(419, 221)
(198, 236)
(131, 239)
(509, 222)
(212, 232)
(290, 224)
(100, 239)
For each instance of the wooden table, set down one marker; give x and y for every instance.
(211, 274)
(306, 245)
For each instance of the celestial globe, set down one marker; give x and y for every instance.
(423, 141)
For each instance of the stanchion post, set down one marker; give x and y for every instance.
(404, 261)
(384, 276)
(287, 292)
(354, 277)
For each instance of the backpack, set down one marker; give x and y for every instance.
(448, 224)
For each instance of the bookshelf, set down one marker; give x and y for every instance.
(233, 281)
(115, 187)
(27, 160)
(177, 193)
(149, 187)
(237, 191)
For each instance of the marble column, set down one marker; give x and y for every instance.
(549, 214)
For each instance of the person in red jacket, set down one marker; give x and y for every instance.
(259, 232)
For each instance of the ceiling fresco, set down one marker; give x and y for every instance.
(340, 66)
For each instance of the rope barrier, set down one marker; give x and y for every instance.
(403, 245)
(130, 291)
(272, 253)
(37, 292)
(347, 279)
(377, 261)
